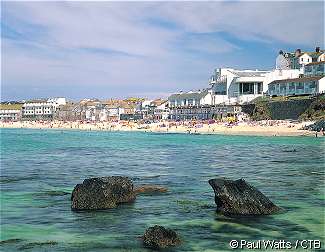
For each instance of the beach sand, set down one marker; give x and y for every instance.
(261, 128)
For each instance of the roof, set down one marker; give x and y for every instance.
(249, 73)
(294, 55)
(68, 107)
(16, 106)
(37, 101)
(158, 102)
(189, 95)
(316, 63)
(313, 54)
(302, 79)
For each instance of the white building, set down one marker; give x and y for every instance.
(161, 111)
(230, 86)
(41, 109)
(10, 114)
(191, 98)
(114, 112)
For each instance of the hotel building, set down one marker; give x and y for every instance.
(41, 109)
(230, 86)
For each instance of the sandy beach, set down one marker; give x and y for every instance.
(261, 128)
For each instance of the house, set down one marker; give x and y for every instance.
(288, 60)
(146, 108)
(114, 112)
(199, 106)
(41, 109)
(309, 57)
(230, 86)
(298, 59)
(321, 57)
(191, 98)
(70, 112)
(161, 110)
(10, 112)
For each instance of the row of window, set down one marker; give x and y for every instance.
(185, 102)
(293, 88)
(37, 112)
(8, 116)
(205, 111)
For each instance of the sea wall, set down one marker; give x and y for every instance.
(288, 109)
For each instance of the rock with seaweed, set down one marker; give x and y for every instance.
(236, 197)
(261, 111)
(102, 193)
(158, 237)
(316, 110)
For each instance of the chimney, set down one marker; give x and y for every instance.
(317, 49)
(298, 52)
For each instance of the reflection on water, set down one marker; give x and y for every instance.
(39, 169)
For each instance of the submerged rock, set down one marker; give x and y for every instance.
(236, 197)
(150, 189)
(102, 193)
(158, 237)
(9, 241)
(32, 245)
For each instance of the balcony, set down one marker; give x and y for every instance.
(218, 80)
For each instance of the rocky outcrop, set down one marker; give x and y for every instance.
(317, 126)
(236, 197)
(102, 193)
(158, 237)
(150, 189)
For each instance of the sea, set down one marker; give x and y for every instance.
(40, 167)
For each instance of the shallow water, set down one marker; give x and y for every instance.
(39, 169)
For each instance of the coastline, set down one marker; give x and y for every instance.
(263, 128)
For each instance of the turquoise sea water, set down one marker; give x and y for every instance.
(39, 169)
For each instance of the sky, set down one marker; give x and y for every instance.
(146, 49)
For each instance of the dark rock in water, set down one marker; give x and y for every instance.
(102, 193)
(149, 189)
(239, 198)
(158, 237)
(317, 126)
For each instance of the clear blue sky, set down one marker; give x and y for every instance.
(151, 49)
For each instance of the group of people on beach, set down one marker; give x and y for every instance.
(266, 127)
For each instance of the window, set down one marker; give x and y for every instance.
(259, 88)
(300, 85)
(220, 89)
(283, 88)
(246, 88)
(292, 86)
(312, 84)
